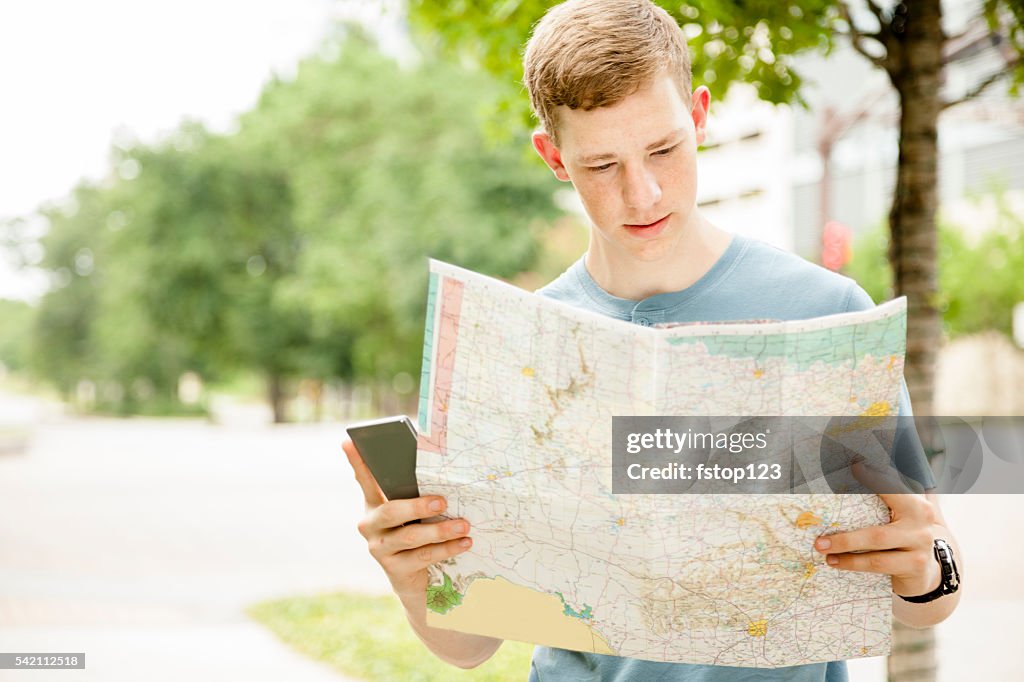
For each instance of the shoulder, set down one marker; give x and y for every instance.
(566, 287)
(803, 288)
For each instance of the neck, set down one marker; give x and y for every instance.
(621, 274)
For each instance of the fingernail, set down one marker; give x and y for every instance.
(436, 505)
(832, 560)
(465, 542)
(823, 543)
(461, 527)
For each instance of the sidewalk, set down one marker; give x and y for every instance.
(141, 543)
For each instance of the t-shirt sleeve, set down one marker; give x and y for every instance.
(909, 456)
(857, 298)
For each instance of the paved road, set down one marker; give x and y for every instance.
(141, 542)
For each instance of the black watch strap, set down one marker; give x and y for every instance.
(950, 582)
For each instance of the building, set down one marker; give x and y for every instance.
(762, 165)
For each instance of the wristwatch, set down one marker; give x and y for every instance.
(950, 576)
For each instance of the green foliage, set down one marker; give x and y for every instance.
(144, 269)
(369, 638)
(212, 237)
(62, 343)
(981, 282)
(294, 248)
(15, 326)
(735, 41)
(1006, 18)
(731, 41)
(869, 264)
(388, 166)
(979, 278)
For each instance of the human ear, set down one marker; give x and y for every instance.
(549, 152)
(699, 111)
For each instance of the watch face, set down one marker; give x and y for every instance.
(950, 575)
(950, 582)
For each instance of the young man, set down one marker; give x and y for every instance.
(610, 82)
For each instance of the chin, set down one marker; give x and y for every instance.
(651, 252)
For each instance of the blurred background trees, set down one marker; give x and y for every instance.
(980, 278)
(293, 249)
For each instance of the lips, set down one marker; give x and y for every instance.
(648, 229)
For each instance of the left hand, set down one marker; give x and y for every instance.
(902, 548)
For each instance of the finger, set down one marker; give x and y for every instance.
(893, 562)
(873, 538)
(372, 493)
(418, 535)
(396, 513)
(413, 560)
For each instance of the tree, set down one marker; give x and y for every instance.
(296, 247)
(14, 334)
(753, 42)
(211, 238)
(388, 166)
(62, 350)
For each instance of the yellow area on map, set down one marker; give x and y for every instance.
(758, 628)
(498, 608)
(880, 409)
(807, 519)
(528, 371)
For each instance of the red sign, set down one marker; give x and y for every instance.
(836, 245)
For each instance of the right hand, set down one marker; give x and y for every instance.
(405, 552)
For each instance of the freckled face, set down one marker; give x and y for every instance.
(634, 166)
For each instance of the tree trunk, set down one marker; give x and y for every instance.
(275, 393)
(914, 56)
(914, 239)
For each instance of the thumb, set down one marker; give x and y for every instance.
(372, 493)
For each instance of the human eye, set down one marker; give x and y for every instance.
(599, 169)
(666, 151)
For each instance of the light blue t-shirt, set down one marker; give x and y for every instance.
(751, 280)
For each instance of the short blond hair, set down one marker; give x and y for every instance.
(585, 54)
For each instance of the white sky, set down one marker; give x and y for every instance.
(72, 73)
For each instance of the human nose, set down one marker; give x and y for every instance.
(640, 189)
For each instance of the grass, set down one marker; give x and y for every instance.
(368, 638)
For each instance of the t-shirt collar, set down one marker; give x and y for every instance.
(654, 308)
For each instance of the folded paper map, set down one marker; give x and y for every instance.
(516, 404)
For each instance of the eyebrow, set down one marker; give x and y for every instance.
(594, 158)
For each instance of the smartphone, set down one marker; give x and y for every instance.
(388, 446)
